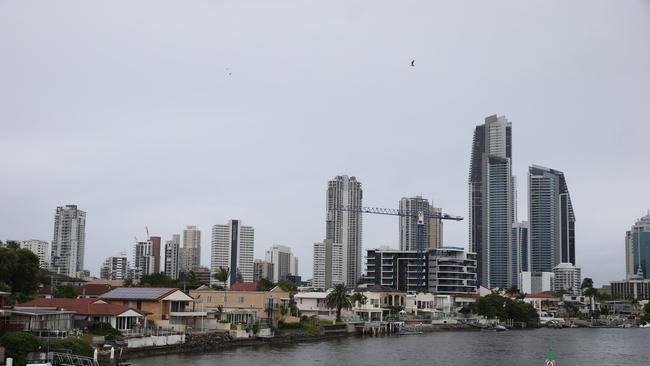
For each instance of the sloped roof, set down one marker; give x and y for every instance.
(138, 293)
(243, 286)
(93, 289)
(79, 306)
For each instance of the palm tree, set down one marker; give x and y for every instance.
(222, 275)
(358, 297)
(338, 299)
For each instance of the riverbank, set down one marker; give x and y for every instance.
(210, 342)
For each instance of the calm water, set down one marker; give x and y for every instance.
(573, 347)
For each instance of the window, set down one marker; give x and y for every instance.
(240, 300)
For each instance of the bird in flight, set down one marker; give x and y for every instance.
(413, 63)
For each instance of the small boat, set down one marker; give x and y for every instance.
(500, 328)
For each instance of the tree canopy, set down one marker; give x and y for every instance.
(65, 292)
(502, 308)
(338, 299)
(19, 271)
(19, 344)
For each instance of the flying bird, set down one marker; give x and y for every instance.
(413, 63)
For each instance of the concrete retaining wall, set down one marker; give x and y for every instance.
(155, 341)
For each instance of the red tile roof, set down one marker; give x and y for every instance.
(243, 286)
(542, 295)
(93, 289)
(79, 306)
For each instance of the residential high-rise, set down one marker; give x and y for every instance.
(172, 256)
(551, 218)
(520, 250)
(262, 269)
(416, 231)
(402, 270)
(69, 242)
(144, 260)
(284, 262)
(345, 227)
(567, 277)
(451, 270)
(115, 267)
(232, 248)
(435, 228)
(492, 207)
(638, 252)
(155, 251)
(40, 248)
(191, 248)
(328, 265)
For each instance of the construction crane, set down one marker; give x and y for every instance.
(422, 218)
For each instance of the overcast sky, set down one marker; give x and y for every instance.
(174, 113)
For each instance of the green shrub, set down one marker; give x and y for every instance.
(72, 345)
(18, 344)
(106, 330)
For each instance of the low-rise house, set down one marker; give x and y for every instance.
(40, 319)
(381, 303)
(92, 290)
(428, 305)
(90, 310)
(243, 296)
(313, 304)
(543, 302)
(165, 307)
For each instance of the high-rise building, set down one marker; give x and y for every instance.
(172, 256)
(232, 248)
(520, 250)
(492, 207)
(284, 262)
(262, 269)
(638, 249)
(567, 277)
(191, 248)
(40, 248)
(69, 242)
(144, 260)
(328, 265)
(435, 228)
(451, 271)
(402, 270)
(115, 267)
(551, 218)
(345, 227)
(155, 251)
(535, 282)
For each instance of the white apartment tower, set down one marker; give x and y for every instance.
(328, 265)
(40, 248)
(284, 262)
(144, 259)
(344, 226)
(172, 256)
(115, 267)
(567, 276)
(232, 248)
(191, 249)
(68, 244)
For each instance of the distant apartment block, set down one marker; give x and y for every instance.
(402, 270)
(191, 249)
(345, 227)
(451, 271)
(232, 248)
(143, 259)
(155, 251)
(40, 248)
(328, 265)
(535, 282)
(637, 289)
(69, 241)
(115, 267)
(567, 277)
(172, 256)
(262, 269)
(284, 262)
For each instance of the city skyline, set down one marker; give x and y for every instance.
(75, 122)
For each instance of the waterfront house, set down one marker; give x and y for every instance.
(165, 307)
(428, 305)
(88, 310)
(381, 303)
(37, 320)
(242, 300)
(543, 302)
(313, 304)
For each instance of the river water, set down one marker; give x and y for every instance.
(578, 346)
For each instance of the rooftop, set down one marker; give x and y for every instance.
(79, 306)
(139, 293)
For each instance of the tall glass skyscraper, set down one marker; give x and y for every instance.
(492, 201)
(552, 221)
(637, 242)
(345, 227)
